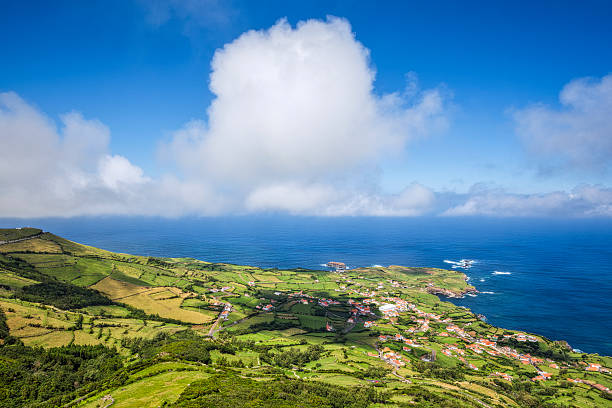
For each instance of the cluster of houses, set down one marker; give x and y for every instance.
(306, 299)
(542, 376)
(597, 368)
(490, 347)
(358, 309)
(392, 310)
(423, 325)
(451, 328)
(227, 309)
(327, 302)
(267, 308)
(452, 348)
(392, 357)
(502, 375)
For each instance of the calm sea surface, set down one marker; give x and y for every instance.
(551, 277)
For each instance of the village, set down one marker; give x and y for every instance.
(468, 344)
(408, 326)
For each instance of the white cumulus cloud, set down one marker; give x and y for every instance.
(579, 133)
(46, 171)
(295, 115)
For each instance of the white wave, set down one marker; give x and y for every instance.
(501, 273)
(323, 265)
(471, 294)
(488, 293)
(376, 266)
(482, 279)
(462, 263)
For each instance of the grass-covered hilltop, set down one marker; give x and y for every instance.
(84, 327)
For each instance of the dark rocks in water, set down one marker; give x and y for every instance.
(449, 293)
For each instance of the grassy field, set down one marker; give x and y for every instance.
(10, 234)
(162, 383)
(14, 281)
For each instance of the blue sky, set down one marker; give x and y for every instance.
(142, 70)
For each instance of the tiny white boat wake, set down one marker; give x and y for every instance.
(501, 273)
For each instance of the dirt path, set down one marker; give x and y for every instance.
(213, 328)
(348, 328)
(402, 379)
(214, 331)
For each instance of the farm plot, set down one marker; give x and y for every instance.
(163, 301)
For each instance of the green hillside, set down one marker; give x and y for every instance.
(84, 327)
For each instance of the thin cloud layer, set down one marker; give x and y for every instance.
(323, 200)
(582, 201)
(194, 13)
(579, 134)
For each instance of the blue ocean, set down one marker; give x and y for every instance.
(551, 277)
